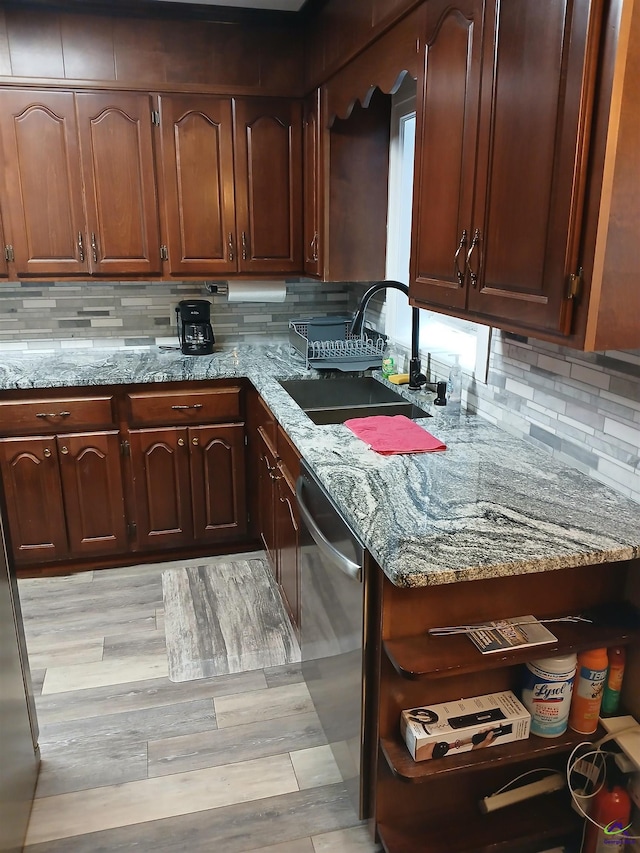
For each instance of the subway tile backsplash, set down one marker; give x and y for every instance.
(38, 315)
(582, 408)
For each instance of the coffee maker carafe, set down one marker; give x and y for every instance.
(194, 327)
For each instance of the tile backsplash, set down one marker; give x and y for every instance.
(583, 408)
(38, 315)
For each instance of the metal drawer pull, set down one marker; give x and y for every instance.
(181, 442)
(94, 248)
(461, 245)
(80, 247)
(53, 414)
(64, 449)
(182, 408)
(46, 452)
(230, 248)
(244, 246)
(473, 273)
(195, 441)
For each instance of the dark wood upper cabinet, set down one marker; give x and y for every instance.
(314, 188)
(197, 176)
(116, 146)
(88, 206)
(268, 171)
(43, 182)
(446, 139)
(503, 111)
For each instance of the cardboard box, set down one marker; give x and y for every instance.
(433, 731)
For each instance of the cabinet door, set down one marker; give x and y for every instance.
(119, 175)
(313, 241)
(535, 102)
(268, 145)
(93, 495)
(446, 137)
(218, 482)
(197, 174)
(267, 498)
(287, 538)
(43, 183)
(34, 503)
(162, 492)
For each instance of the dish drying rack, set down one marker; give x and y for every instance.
(327, 343)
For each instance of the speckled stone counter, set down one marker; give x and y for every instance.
(489, 506)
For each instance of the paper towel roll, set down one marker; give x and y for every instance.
(257, 291)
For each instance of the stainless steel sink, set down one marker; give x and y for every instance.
(333, 401)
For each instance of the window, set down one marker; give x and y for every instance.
(443, 338)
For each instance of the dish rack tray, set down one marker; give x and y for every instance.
(326, 343)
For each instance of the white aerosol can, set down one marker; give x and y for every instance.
(546, 693)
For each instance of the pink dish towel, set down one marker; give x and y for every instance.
(388, 434)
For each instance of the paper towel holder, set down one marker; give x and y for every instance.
(217, 288)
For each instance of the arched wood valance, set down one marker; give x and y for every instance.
(383, 65)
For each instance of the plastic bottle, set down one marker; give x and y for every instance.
(613, 683)
(587, 691)
(454, 384)
(611, 810)
(546, 693)
(389, 367)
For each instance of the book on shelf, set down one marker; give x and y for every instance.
(519, 632)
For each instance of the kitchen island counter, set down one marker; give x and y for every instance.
(489, 506)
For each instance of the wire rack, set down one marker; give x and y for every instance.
(326, 342)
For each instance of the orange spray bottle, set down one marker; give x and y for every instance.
(587, 691)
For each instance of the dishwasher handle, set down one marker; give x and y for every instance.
(342, 562)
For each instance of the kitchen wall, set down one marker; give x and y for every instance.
(68, 314)
(582, 408)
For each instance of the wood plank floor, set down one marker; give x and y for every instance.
(134, 762)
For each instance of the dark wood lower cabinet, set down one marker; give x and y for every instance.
(218, 493)
(64, 496)
(130, 474)
(287, 526)
(161, 487)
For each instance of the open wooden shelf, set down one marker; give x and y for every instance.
(427, 657)
(405, 768)
(520, 828)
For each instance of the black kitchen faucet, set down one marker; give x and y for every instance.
(416, 378)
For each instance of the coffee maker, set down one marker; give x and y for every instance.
(194, 327)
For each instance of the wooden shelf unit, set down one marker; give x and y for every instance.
(430, 656)
(432, 806)
(516, 829)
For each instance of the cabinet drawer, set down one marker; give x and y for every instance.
(168, 408)
(51, 414)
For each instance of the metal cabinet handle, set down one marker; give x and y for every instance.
(64, 449)
(94, 248)
(183, 408)
(290, 508)
(181, 442)
(473, 273)
(456, 257)
(195, 441)
(53, 414)
(244, 246)
(46, 452)
(230, 247)
(80, 247)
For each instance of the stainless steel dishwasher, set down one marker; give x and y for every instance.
(333, 587)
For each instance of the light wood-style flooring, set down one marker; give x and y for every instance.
(134, 762)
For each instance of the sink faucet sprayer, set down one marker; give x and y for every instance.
(416, 377)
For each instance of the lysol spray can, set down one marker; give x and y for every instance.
(546, 694)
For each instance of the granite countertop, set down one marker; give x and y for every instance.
(491, 505)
